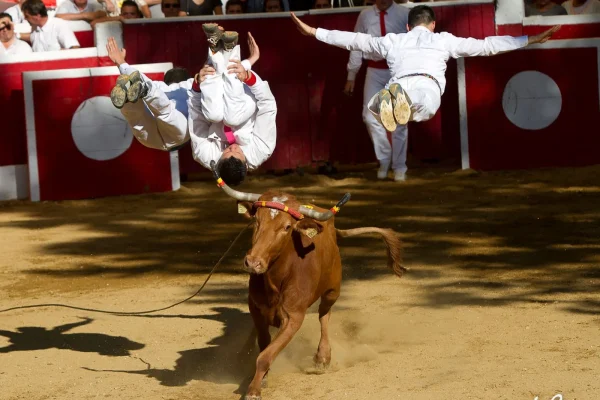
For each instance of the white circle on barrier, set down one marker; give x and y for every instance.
(531, 100)
(99, 129)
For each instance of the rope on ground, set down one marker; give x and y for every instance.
(139, 312)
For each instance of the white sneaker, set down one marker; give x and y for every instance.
(399, 176)
(382, 173)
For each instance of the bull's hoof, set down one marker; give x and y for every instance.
(252, 397)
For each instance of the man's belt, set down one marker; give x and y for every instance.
(381, 64)
(425, 75)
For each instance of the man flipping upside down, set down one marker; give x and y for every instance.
(417, 62)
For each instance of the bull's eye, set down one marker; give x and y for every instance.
(288, 227)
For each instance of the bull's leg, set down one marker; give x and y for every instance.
(323, 356)
(289, 326)
(262, 330)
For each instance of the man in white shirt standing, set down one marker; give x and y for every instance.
(382, 18)
(10, 44)
(47, 34)
(16, 13)
(417, 62)
(80, 10)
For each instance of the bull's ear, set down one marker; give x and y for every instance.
(246, 208)
(308, 227)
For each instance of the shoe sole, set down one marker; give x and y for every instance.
(118, 96)
(213, 36)
(401, 104)
(133, 93)
(230, 40)
(386, 111)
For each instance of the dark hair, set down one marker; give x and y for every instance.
(176, 75)
(232, 170)
(234, 3)
(130, 3)
(420, 15)
(280, 5)
(4, 15)
(34, 7)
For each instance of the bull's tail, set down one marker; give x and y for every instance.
(392, 243)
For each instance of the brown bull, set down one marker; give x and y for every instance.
(294, 261)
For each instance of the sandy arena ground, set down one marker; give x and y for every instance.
(502, 300)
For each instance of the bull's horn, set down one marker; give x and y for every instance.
(324, 215)
(232, 192)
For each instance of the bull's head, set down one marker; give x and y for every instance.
(280, 221)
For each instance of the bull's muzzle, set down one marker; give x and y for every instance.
(255, 265)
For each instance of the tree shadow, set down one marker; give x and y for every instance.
(229, 358)
(30, 338)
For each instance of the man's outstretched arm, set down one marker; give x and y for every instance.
(469, 47)
(352, 41)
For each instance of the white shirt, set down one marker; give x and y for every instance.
(420, 50)
(55, 35)
(118, 4)
(17, 47)
(69, 7)
(589, 7)
(395, 19)
(16, 14)
(209, 140)
(178, 93)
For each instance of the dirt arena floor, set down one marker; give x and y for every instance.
(502, 300)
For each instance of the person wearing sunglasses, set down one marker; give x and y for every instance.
(10, 44)
(170, 8)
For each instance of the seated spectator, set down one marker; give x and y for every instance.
(10, 44)
(16, 13)
(234, 7)
(321, 4)
(544, 7)
(200, 7)
(80, 10)
(578, 7)
(258, 6)
(129, 10)
(273, 6)
(170, 8)
(114, 8)
(47, 34)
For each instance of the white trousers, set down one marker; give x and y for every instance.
(375, 80)
(155, 121)
(223, 97)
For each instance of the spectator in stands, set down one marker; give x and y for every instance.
(16, 13)
(200, 7)
(543, 7)
(47, 34)
(170, 8)
(114, 8)
(320, 4)
(10, 44)
(273, 6)
(80, 10)
(129, 10)
(578, 7)
(234, 7)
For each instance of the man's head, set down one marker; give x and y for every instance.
(35, 13)
(232, 165)
(170, 8)
(383, 5)
(176, 75)
(7, 29)
(130, 10)
(421, 16)
(273, 6)
(320, 4)
(234, 7)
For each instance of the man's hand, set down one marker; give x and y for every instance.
(303, 28)
(544, 36)
(349, 88)
(204, 72)
(117, 56)
(254, 50)
(238, 69)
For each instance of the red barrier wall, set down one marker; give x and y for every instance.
(315, 121)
